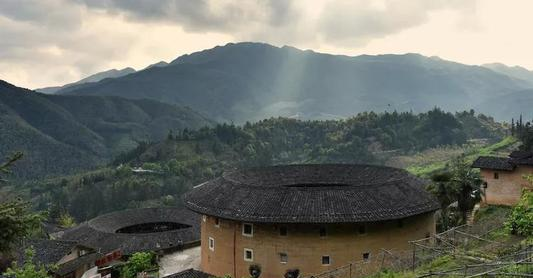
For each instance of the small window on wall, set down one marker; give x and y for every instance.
(326, 260)
(283, 258)
(248, 255)
(496, 175)
(217, 222)
(400, 223)
(323, 231)
(211, 244)
(366, 257)
(247, 229)
(361, 229)
(283, 231)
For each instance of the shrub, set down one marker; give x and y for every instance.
(28, 269)
(520, 221)
(137, 263)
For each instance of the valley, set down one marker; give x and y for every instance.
(158, 173)
(125, 139)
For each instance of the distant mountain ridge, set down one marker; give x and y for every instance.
(64, 134)
(514, 71)
(252, 81)
(112, 73)
(513, 105)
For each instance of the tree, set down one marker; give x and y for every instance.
(17, 221)
(521, 219)
(28, 269)
(445, 195)
(137, 263)
(461, 184)
(5, 167)
(66, 220)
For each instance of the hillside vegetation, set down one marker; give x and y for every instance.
(433, 160)
(63, 134)
(253, 81)
(189, 157)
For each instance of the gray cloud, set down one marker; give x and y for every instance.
(46, 13)
(200, 15)
(356, 22)
(57, 39)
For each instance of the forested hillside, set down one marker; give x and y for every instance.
(62, 134)
(253, 81)
(188, 157)
(510, 106)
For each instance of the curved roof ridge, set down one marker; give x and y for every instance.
(356, 193)
(101, 232)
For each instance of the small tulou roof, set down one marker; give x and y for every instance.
(504, 163)
(327, 193)
(101, 233)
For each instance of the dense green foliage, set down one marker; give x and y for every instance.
(156, 174)
(461, 184)
(137, 263)
(357, 139)
(28, 269)
(524, 132)
(252, 81)
(521, 219)
(17, 221)
(61, 134)
(5, 168)
(432, 161)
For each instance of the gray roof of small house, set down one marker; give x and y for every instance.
(73, 265)
(190, 273)
(100, 232)
(327, 193)
(47, 251)
(50, 252)
(504, 163)
(494, 163)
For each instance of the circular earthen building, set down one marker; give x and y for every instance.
(307, 217)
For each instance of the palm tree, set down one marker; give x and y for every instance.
(466, 182)
(460, 184)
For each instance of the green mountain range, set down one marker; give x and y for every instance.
(252, 81)
(63, 134)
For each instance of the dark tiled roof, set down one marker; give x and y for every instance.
(48, 252)
(524, 159)
(520, 154)
(332, 193)
(190, 273)
(494, 163)
(100, 232)
(505, 163)
(73, 265)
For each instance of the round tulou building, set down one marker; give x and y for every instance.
(160, 230)
(307, 217)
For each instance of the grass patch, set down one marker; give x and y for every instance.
(427, 167)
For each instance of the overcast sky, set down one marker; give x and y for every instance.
(52, 42)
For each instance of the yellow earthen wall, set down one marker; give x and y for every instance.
(505, 190)
(303, 245)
